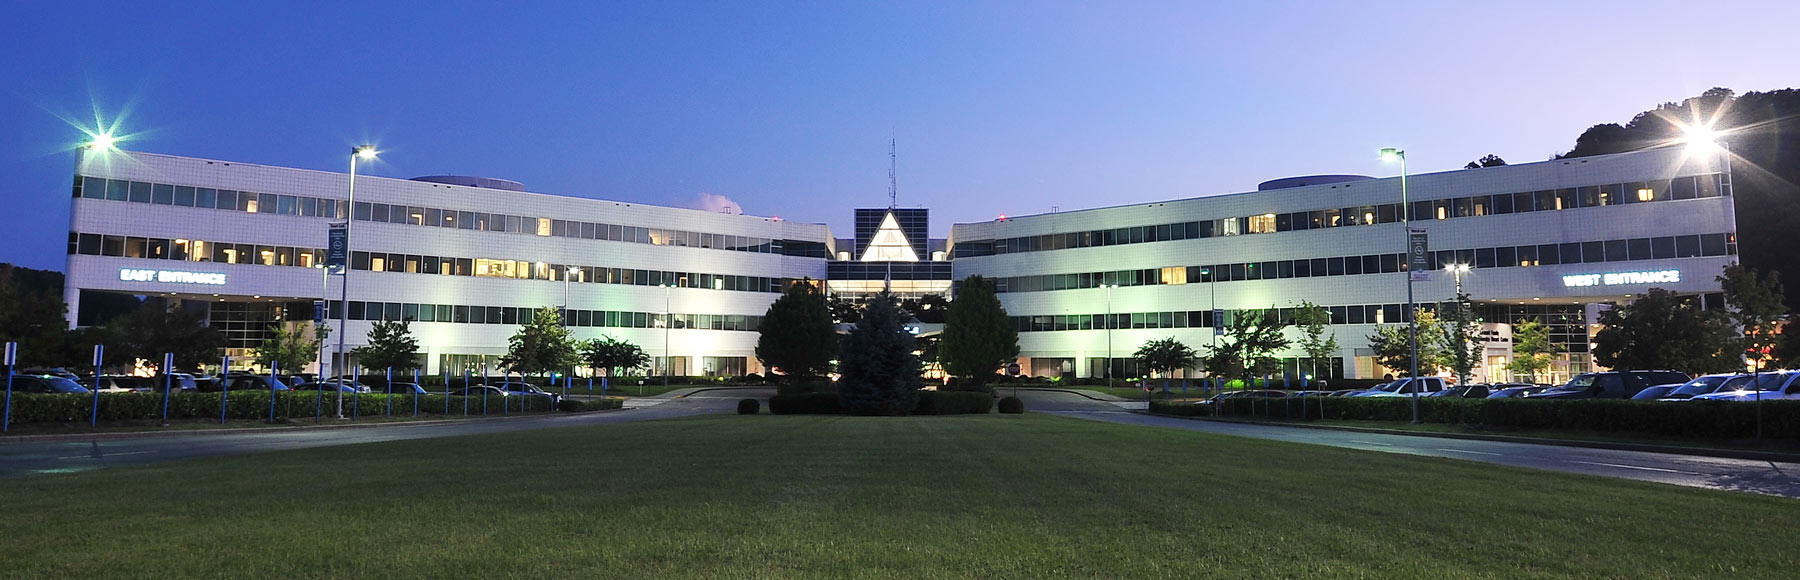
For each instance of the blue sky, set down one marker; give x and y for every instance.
(787, 108)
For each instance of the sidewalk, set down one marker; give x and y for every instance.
(1608, 445)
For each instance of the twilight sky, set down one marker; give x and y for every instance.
(787, 110)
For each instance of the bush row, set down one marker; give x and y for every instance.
(930, 403)
(1691, 419)
(254, 404)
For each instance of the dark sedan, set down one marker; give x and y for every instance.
(48, 384)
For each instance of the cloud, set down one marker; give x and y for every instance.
(716, 203)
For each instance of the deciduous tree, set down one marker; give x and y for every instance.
(610, 354)
(797, 337)
(1312, 320)
(1165, 356)
(156, 328)
(290, 349)
(1248, 347)
(542, 345)
(391, 345)
(1661, 330)
(1392, 344)
(1532, 349)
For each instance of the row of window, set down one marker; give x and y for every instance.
(528, 270)
(1340, 315)
(1501, 257)
(465, 314)
(1689, 187)
(303, 206)
(229, 253)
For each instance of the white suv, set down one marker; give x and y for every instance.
(1774, 386)
(1406, 387)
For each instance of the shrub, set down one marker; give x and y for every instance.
(805, 388)
(1179, 409)
(749, 406)
(602, 404)
(953, 403)
(570, 406)
(250, 404)
(1012, 406)
(804, 404)
(1692, 419)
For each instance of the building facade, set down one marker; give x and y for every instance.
(468, 259)
(1555, 242)
(246, 244)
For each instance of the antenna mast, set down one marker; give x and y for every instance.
(893, 182)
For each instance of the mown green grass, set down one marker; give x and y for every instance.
(990, 496)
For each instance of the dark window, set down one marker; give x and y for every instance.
(1640, 249)
(1663, 247)
(1353, 265)
(1527, 256)
(1302, 268)
(1340, 315)
(1503, 204)
(88, 245)
(1505, 257)
(1390, 263)
(1484, 258)
(1334, 266)
(1713, 245)
(93, 188)
(356, 310)
(427, 313)
(1590, 252)
(140, 192)
(1679, 188)
(1549, 255)
(161, 194)
(1617, 251)
(1571, 253)
(1687, 246)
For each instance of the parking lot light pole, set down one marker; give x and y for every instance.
(363, 152)
(1412, 316)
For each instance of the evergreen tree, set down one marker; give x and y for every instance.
(1312, 320)
(878, 373)
(797, 337)
(391, 345)
(1532, 349)
(611, 354)
(1247, 349)
(542, 345)
(978, 337)
(1661, 330)
(292, 349)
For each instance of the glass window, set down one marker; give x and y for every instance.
(1484, 258)
(287, 205)
(444, 313)
(364, 210)
(465, 220)
(1545, 200)
(309, 207)
(227, 200)
(426, 312)
(1713, 245)
(1663, 247)
(1707, 185)
(1334, 266)
(162, 194)
(1637, 249)
(1571, 253)
(1387, 213)
(93, 188)
(378, 212)
(1465, 207)
(1679, 188)
(1505, 257)
(1589, 196)
(118, 190)
(1591, 252)
(1503, 204)
(1567, 199)
(140, 192)
(247, 202)
(88, 245)
(1538, 255)
(1481, 205)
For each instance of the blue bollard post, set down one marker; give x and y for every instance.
(224, 386)
(465, 396)
(484, 381)
(390, 397)
(356, 395)
(12, 351)
(168, 369)
(319, 401)
(272, 367)
(94, 421)
(590, 385)
(415, 394)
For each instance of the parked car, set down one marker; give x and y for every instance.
(119, 384)
(55, 372)
(257, 382)
(1654, 393)
(1611, 384)
(1772, 386)
(528, 390)
(1515, 390)
(49, 384)
(337, 385)
(180, 381)
(1475, 391)
(1424, 386)
(1701, 385)
(480, 391)
(406, 389)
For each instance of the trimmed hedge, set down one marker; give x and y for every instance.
(1692, 419)
(1180, 409)
(248, 405)
(930, 403)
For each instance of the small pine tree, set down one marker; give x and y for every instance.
(878, 373)
(391, 345)
(978, 336)
(797, 336)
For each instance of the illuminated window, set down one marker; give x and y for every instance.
(1443, 212)
(1646, 194)
(1228, 227)
(1174, 275)
(377, 263)
(1261, 224)
(231, 256)
(543, 227)
(306, 259)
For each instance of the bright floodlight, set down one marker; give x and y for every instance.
(366, 152)
(1454, 268)
(103, 142)
(1700, 137)
(1390, 154)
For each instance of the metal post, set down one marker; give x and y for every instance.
(465, 396)
(484, 382)
(273, 365)
(12, 349)
(99, 351)
(415, 393)
(224, 386)
(390, 397)
(668, 322)
(355, 395)
(1411, 307)
(344, 286)
(168, 369)
(1106, 372)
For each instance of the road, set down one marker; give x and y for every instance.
(25, 459)
(1765, 477)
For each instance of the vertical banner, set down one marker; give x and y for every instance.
(1418, 255)
(1218, 322)
(337, 249)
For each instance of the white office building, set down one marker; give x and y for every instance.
(1555, 242)
(467, 259)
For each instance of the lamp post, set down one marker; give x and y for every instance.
(363, 152)
(567, 270)
(1212, 310)
(1106, 370)
(1412, 318)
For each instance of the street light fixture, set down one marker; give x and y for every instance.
(103, 142)
(1412, 318)
(364, 153)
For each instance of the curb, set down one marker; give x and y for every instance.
(129, 435)
(1612, 446)
(1090, 395)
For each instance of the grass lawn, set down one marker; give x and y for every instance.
(993, 496)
